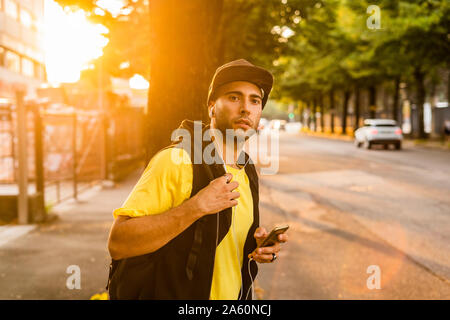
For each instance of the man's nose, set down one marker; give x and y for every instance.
(245, 107)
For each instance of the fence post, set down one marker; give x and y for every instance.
(39, 213)
(102, 123)
(112, 154)
(106, 149)
(74, 155)
(22, 121)
(38, 151)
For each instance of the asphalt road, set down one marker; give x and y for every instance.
(356, 214)
(350, 211)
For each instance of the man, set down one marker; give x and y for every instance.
(189, 230)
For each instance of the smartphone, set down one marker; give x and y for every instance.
(272, 238)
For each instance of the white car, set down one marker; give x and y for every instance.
(293, 127)
(379, 131)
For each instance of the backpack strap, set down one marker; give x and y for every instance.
(198, 237)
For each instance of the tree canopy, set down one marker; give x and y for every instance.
(312, 47)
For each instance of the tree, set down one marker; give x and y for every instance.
(335, 50)
(316, 63)
(422, 34)
(177, 45)
(412, 44)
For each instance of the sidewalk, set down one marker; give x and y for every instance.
(34, 263)
(408, 143)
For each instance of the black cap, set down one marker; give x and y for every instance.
(242, 70)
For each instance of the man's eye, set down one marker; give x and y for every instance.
(233, 98)
(256, 101)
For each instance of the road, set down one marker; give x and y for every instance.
(350, 209)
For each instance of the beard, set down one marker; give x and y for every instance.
(234, 138)
(226, 126)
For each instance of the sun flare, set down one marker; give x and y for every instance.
(70, 42)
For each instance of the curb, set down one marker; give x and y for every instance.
(430, 145)
(12, 232)
(327, 136)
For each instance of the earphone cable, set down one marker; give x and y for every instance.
(233, 211)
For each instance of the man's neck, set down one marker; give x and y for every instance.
(232, 150)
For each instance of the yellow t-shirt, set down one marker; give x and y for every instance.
(166, 183)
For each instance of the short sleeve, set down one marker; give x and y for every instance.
(165, 183)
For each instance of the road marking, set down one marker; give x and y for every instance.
(9, 233)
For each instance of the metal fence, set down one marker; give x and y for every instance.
(8, 144)
(70, 150)
(126, 142)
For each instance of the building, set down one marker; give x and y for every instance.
(22, 65)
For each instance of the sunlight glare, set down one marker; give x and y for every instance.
(138, 82)
(70, 42)
(115, 7)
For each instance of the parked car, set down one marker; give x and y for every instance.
(379, 131)
(294, 127)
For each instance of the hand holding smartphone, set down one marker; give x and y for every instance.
(272, 238)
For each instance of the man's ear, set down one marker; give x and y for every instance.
(211, 110)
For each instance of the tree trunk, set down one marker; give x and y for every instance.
(345, 111)
(373, 101)
(308, 121)
(419, 77)
(300, 112)
(182, 62)
(395, 114)
(314, 111)
(433, 101)
(357, 107)
(448, 87)
(322, 113)
(332, 110)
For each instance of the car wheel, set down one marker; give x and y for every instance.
(398, 145)
(386, 146)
